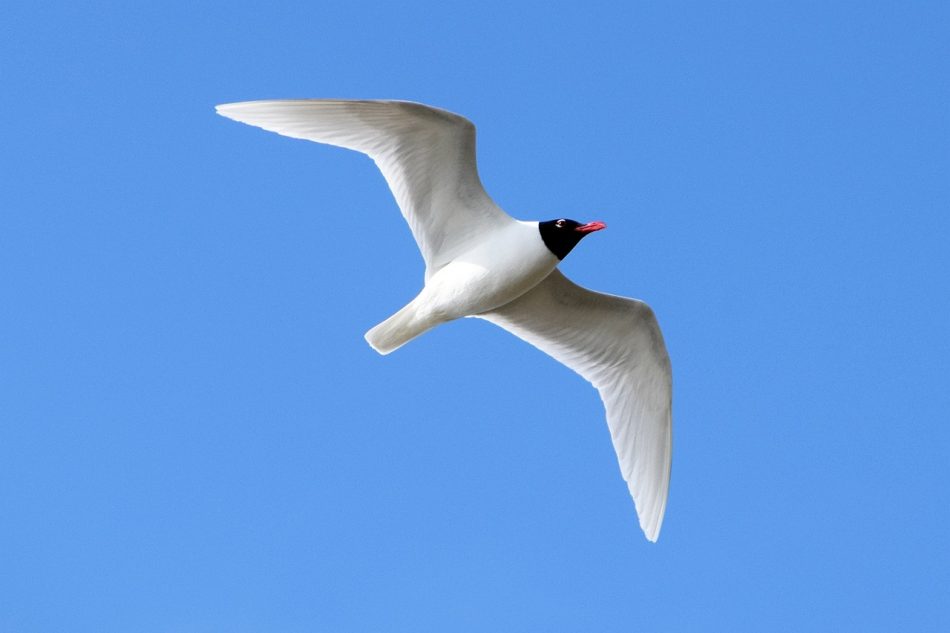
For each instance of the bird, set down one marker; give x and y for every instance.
(481, 262)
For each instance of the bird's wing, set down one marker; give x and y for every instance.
(427, 156)
(616, 344)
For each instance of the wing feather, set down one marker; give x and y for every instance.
(427, 156)
(616, 344)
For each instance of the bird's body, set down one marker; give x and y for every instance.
(481, 262)
(498, 269)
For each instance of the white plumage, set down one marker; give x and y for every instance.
(482, 262)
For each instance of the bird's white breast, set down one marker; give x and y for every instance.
(500, 268)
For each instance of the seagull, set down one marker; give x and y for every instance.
(481, 262)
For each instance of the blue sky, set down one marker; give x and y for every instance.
(195, 437)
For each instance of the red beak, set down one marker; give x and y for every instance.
(590, 227)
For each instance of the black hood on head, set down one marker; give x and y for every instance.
(561, 236)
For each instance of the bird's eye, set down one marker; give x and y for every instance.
(559, 224)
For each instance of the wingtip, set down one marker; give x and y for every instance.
(223, 108)
(230, 110)
(651, 533)
(651, 522)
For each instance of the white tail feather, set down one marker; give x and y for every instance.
(398, 330)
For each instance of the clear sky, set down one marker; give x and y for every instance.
(194, 436)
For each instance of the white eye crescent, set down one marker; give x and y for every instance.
(559, 224)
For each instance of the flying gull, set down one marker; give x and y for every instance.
(481, 262)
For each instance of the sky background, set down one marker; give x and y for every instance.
(194, 436)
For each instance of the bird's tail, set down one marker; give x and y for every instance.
(398, 330)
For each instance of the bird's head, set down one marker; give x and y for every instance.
(562, 235)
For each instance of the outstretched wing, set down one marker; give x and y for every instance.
(616, 344)
(427, 156)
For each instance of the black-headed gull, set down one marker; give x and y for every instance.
(481, 262)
